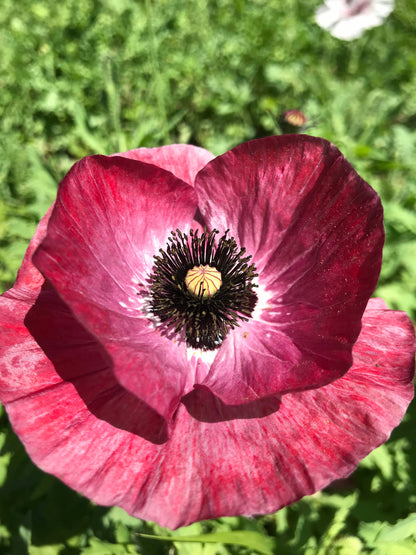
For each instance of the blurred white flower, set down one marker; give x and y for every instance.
(348, 19)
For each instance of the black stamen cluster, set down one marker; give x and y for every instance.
(205, 322)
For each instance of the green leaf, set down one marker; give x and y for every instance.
(98, 547)
(337, 524)
(369, 531)
(347, 545)
(46, 549)
(396, 548)
(382, 459)
(401, 218)
(117, 515)
(252, 540)
(402, 530)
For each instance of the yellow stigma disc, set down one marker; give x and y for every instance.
(203, 281)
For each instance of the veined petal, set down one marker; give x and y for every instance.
(15, 343)
(44, 349)
(314, 229)
(111, 217)
(227, 460)
(184, 161)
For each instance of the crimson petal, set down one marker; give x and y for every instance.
(314, 229)
(209, 467)
(111, 216)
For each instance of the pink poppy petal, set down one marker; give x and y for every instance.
(112, 215)
(314, 229)
(224, 460)
(29, 277)
(184, 161)
(43, 346)
(18, 351)
(15, 341)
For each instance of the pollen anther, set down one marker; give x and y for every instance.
(202, 288)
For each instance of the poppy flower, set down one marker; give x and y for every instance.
(190, 337)
(348, 19)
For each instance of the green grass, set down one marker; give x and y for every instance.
(79, 78)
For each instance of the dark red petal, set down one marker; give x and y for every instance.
(111, 216)
(314, 229)
(184, 161)
(219, 460)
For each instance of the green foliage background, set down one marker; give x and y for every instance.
(103, 76)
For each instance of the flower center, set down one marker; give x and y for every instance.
(201, 289)
(203, 281)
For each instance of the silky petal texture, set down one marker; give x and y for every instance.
(14, 305)
(111, 216)
(314, 230)
(184, 161)
(236, 463)
(30, 320)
